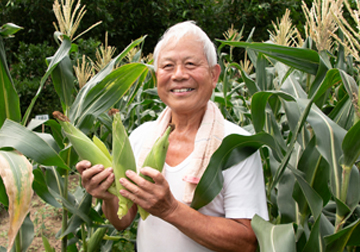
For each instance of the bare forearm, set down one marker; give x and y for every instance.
(110, 208)
(215, 233)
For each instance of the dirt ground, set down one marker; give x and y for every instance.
(46, 220)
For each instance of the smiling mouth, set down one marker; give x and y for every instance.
(182, 90)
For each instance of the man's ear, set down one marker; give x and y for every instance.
(215, 73)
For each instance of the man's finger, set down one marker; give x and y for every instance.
(108, 181)
(95, 175)
(153, 173)
(83, 165)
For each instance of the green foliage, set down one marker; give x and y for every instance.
(31, 60)
(293, 97)
(50, 152)
(124, 21)
(31, 64)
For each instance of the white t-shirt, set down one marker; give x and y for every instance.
(242, 196)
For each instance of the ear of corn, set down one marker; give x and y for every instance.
(156, 159)
(84, 147)
(82, 144)
(94, 241)
(100, 144)
(123, 159)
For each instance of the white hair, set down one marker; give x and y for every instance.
(178, 31)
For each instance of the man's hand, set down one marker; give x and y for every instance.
(95, 179)
(156, 198)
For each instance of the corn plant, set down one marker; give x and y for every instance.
(301, 105)
(49, 156)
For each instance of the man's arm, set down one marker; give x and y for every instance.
(215, 233)
(110, 208)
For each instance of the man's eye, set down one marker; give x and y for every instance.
(167, 65)
(190, 64)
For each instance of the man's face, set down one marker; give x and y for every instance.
(184, 79)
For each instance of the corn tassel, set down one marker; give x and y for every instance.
(156, 159)
(123, 159)
(94, 151)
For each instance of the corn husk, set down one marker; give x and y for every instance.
(156, 159)
(123, 159)
(94, 150)
(94, 242)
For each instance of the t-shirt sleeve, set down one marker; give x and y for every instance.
(244, 192)
(244, 189)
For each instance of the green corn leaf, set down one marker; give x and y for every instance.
(329, 137)
(41, 189)
(285, 202)
(56, 132)
(261, 76)
(314, 200)
(351, 146)
(354, 237)
(88, 94)
(290, 83)
(343, 113)
(9, 100)
(258, 104)
(84, 206)
(233, 149)
(353, 191)
(30, 144)
(332, 78)
(250, 84)
(9, 29)
(55, 184)
(322, 70)
(293, 114)
(339, 240)
(106, 93)
(63, 80)
(315, 242)
(273, 238)
(316, 171)
(60, 54)
(46, 244)
(303, 59)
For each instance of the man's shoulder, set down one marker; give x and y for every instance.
(138, 135)
(143, 128)
(232, 128)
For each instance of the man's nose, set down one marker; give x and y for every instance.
(180, 72)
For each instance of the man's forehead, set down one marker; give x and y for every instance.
(170, 52)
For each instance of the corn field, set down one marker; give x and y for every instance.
(297, 96)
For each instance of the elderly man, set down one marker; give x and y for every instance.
(187, 72)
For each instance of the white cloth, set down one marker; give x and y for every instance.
(208, 139)
(242, 196)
